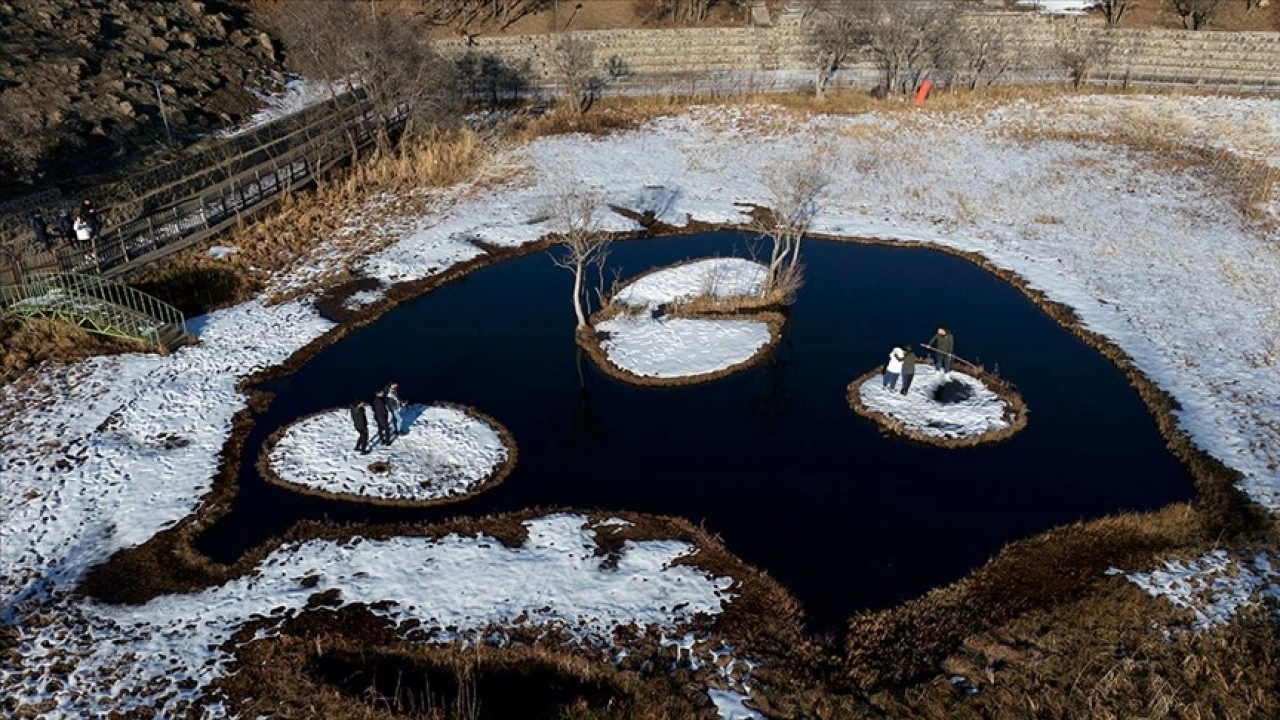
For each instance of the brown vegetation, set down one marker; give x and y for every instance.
(1015, 412)
(493, 479)
(26, 343)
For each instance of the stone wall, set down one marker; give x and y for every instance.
(1215, 58)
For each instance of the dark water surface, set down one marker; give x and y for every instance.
(771, 459)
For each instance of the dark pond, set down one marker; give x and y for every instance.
(771, 459)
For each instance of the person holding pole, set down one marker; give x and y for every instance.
(943, 344)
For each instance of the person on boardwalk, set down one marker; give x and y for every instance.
(89, 212)
(943, 344)
(84, 231)
(394, 407)
(380, 416)
(893, 369)
(908, 368)
(67, 226)
(361, 421)
(40, 229)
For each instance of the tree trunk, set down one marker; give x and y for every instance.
(577, 296)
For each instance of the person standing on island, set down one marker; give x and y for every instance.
(893, 369)
(394, 407)
(361, 421)
(943, 344)
(380, 416)
(908, 368)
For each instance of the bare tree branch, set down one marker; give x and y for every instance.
(794, 193)
(581, 244)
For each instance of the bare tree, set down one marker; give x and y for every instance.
(835, 35)
(794, 192)
(574, 63)
(1195, 14)
(976, 54)
(684, 12)
(1114, 10)
(583, 245)
(378, 49)
(907, 37)
(1080, 54)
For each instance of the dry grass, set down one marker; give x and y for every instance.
(1106, 656)
(25, 344)
(304, 226)
(892, 648)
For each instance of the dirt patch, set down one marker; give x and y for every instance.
(492, 480)
(195, 289)
(952, 391)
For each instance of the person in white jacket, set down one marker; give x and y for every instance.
(84, 231)
(894, 368)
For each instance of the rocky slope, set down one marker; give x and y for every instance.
(79, 82)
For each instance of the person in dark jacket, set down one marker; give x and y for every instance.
(41, 230)
(361, 421)
(67, 226)
(908, 368)
(394, 407)
(381, 416)
(943, 344)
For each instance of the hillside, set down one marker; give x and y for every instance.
(78, 93)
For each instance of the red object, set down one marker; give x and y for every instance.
(922, 93)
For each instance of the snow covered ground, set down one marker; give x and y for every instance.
(1215, 586)
(445, 452)
(720, 278)
(982, 412)
(102, 455)
(170, 649)
(298, 94)
(1060, 7)
(679, 347)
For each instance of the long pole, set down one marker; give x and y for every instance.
(164, 115)
(951, 355)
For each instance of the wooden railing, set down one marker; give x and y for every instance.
(286, 163)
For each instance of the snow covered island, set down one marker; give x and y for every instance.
(447, 453)
(949, 410)
(689, 323)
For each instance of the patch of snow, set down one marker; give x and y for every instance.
(168, 651)
(720, 278)
(196, 325)
(364, 298)
(732, 705)
(981, 413)
(217, 252)
(116, 449)
(673, 347)
(1060, 7)
(298, 94)
(1215, 587)
(445, 452)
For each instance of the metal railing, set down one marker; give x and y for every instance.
(95, 303)
(312, 152)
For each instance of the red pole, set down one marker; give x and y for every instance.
(922, 93)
